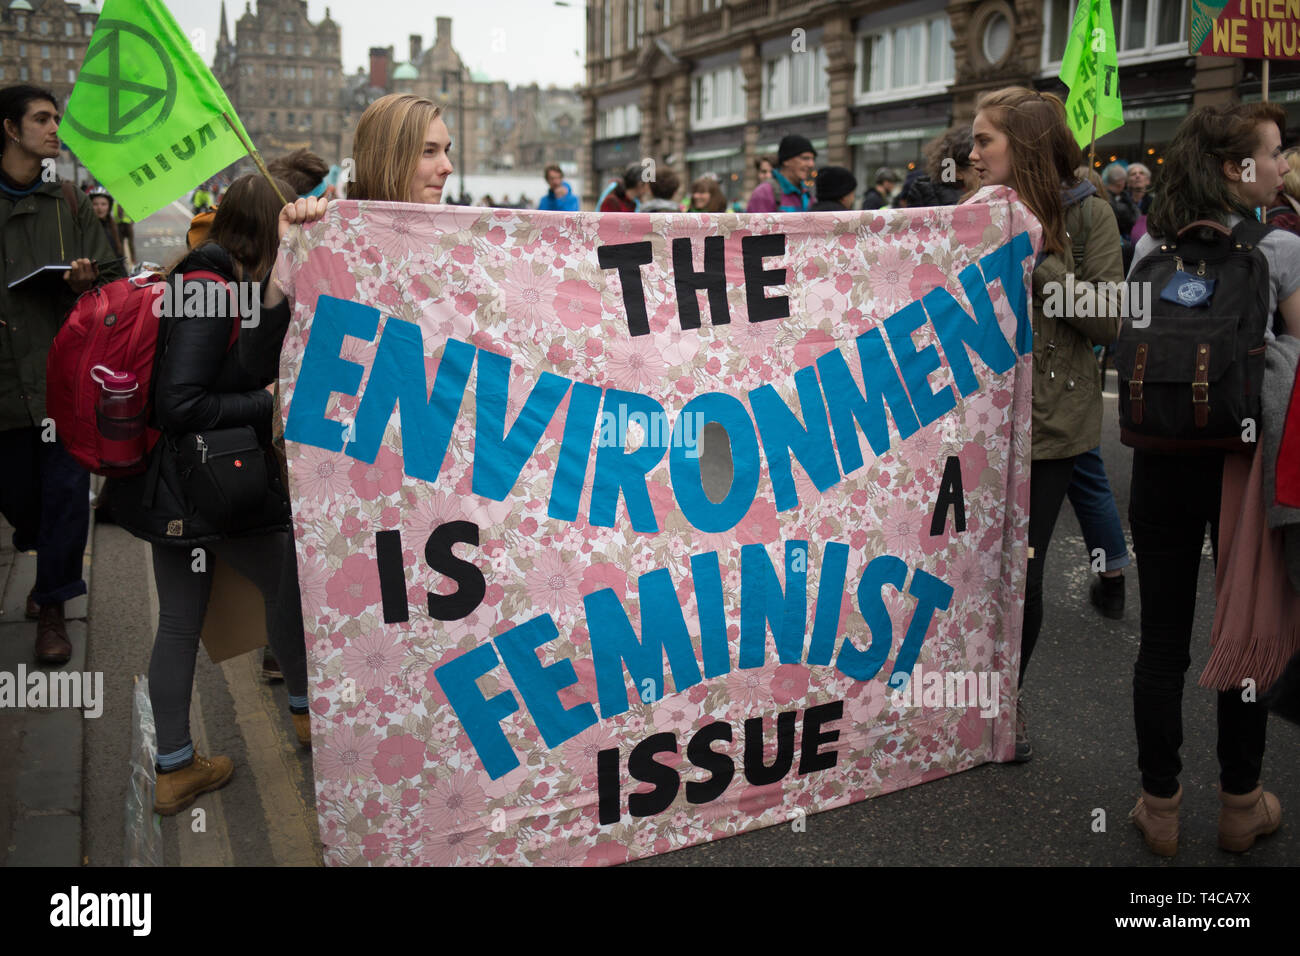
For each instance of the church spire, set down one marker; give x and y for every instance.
(225, 35)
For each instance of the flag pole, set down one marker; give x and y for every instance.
(1092, 146)
(1096, 108)
(261, 166)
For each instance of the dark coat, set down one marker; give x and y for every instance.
(198, 385)
(1126, 212)
(38, 229)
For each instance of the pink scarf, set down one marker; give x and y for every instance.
(1257, 618)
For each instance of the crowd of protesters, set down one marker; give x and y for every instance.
(1093, 226)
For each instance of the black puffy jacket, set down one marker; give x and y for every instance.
(198, 385)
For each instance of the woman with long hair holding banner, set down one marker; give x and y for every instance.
(1223, 162)
(1022, 141)
(401, 154)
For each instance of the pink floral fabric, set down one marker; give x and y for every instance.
(398, 780)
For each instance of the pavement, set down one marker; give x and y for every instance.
(41, 748)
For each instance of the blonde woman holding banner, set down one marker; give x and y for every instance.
(401, 148)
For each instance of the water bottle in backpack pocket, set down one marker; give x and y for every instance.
(1190, 375)
(120, 417)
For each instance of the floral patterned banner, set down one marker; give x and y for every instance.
(541, 628)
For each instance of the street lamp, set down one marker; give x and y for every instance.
(460, 118)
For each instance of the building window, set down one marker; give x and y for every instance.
(68, 29)
(22, 73)
(1144, 29)
(997, 38)
(667, 7)
(289, 121)
(329, 73)
(607, 24)
(45, 51)
(88, 27)
(718, 98)
(288, 48)
(2, 72)
(271, 119)
(707, 5)
(22, 24)
(306, 97)
(43, 27)
(45, 74)
(306, 73)
(270, 46)
(906, 60)
(306, 49)
(306, 120)
(71, 54)
(795, 82)
(72, 76)
(288, 25)
(635, 10)
(22, 49)
(618, 121)
(288, 71)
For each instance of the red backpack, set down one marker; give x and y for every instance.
(113, 329)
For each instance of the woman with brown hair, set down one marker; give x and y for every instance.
(1225, 161)
(204, 399)
(706, 196)
(1021, 140)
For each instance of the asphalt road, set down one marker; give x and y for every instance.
(1068, 806)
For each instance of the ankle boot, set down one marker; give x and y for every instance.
(177, 789)
(1157, 818)
(52, 644)
(1107, 596)
(302, 727)
(1245, 816)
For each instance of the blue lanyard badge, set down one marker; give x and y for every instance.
(1189, 290)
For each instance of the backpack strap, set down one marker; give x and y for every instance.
(234, 311)
(1251, 231)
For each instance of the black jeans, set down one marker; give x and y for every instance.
(1049, 479)
(45, 495)
(183, 602)
(1172, 499)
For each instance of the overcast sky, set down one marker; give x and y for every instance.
(519, 41)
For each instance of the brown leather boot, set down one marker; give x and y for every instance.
(33, 610)
(52, 644)
(177, 789)
(1157, 818)
(302, 727)
(1245, 816)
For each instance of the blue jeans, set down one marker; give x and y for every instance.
(1094, 506)
(45, 495)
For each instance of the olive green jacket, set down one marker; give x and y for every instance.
(36, 230)
(1067, 380)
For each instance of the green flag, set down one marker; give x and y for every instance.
(146, 114)
(1091, 70)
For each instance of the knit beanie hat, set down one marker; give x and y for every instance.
(835, 182)
(793, 145)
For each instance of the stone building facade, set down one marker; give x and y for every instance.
(502, 128)
(284, 75)
(43, 42)
(709, 85)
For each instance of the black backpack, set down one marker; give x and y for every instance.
(1190, 380)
